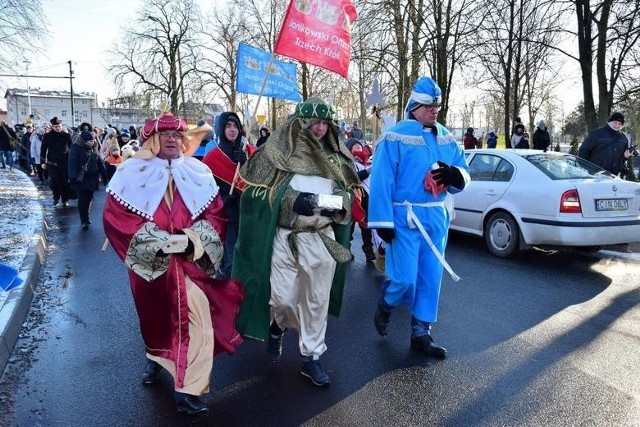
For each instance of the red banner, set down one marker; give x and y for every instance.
(318, 32)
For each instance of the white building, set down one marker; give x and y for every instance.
(46, 104)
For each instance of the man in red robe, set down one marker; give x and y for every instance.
(165, 219)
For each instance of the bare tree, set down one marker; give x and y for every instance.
(22, 28)
(608, 36)
(160, 53)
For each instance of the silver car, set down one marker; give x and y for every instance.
(518, 199)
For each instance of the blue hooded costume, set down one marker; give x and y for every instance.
(403, 157)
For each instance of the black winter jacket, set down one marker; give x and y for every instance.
(55, 149)
(605, 147)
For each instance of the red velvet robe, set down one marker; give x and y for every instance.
(162, 303)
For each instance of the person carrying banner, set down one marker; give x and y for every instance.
(224, 160)
(165, 220)
(293, 245)
(416, 164)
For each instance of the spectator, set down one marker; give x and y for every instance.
(541, 139)
(85, 170)
(54, 158)
(519, 139)
(607, 146)
(8, 140)
(470, 141)
(356, 132)
(36, 148)
(264, 135)
(492, 139)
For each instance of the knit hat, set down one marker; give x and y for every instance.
(425, 92)
(316, 108)
(87, 136)
(55, 121)
(616, 117)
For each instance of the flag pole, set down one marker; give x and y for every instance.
(255, 111)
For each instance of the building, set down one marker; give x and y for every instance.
(46, 104)
(120, 112)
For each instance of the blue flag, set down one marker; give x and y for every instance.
(282, 82)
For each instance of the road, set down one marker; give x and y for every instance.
(544, 339)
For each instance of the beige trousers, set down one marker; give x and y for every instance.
(300, 288)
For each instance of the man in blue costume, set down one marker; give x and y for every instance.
(416, 163)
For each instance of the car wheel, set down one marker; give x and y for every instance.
(502, 235)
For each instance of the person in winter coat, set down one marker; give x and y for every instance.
(36, 148)
(492, 139)
(469, 140)
(224, 161)
(541, 138)
(7, 147)
(53, 157)
(607, 146)
(85, 171)
(264, 135)
(520, 138)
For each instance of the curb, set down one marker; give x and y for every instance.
(16, 307)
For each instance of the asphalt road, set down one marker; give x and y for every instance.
(545, 339)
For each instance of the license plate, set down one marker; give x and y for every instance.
(612, 204)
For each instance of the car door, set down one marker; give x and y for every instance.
(491, 175)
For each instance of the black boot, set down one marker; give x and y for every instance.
(190, 405)
(274, 343)
(381, 320)
(368, 252)
(425, 345)
(151, 373)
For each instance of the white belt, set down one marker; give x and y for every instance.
(413, 222)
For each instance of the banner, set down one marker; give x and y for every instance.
(252, 66)
(318, 32)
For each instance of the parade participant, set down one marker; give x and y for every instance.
(85, 171)
(165, 220)
(224, 160)
(54, 154)
(416, 163)
(293, 246)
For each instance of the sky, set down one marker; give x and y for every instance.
(81, 31)
(85, 31)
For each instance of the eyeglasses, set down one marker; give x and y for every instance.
(167, 135)
(432, 107)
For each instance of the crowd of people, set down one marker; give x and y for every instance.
(254, 240)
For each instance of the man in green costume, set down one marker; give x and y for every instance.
(293, 244)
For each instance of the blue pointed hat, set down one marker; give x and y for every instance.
(425, 92)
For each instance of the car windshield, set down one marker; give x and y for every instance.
(562, 166)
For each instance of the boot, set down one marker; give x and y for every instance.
(381, 320)
(190, 405)
(368, 252)
(274, 342)
(425, 345)
(151, 373)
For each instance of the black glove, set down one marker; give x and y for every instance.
(448, 175)
(386, 234)
(305, 203)
(238, 155)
